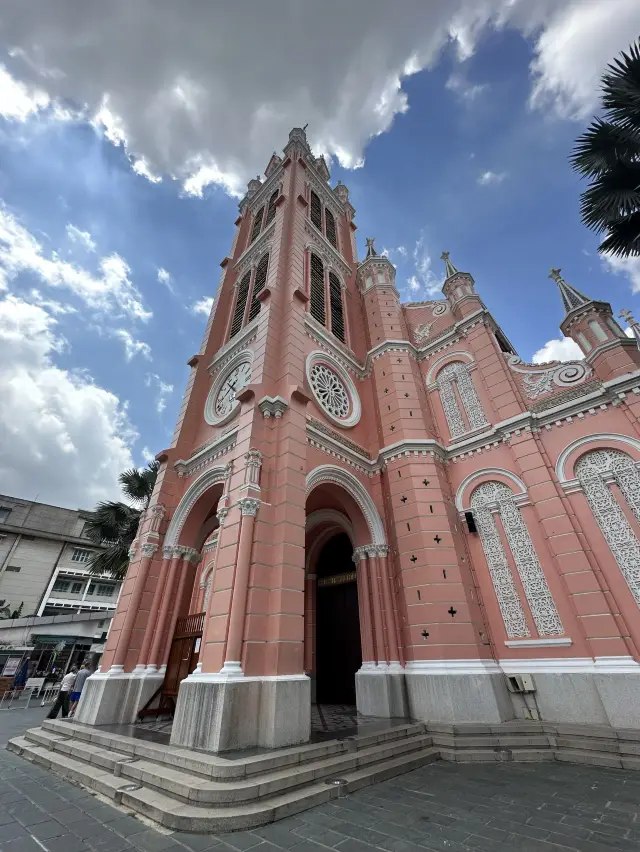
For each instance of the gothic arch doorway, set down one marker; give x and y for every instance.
(338, 652)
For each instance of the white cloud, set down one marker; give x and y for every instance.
(164, 277)
(413, 283)
(18, 101)
(562, 349)
(61, 436)
(82, 238)
(132, 347)
(163, 390)
(109, 292)
(425, 276)
(578, 41)
(163, 96)
(203, 306)
(402, 250)
(460, 86)
(141, 167)
(629, 266)
(490, 178)
(147, 455)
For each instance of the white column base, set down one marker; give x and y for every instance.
(217, 713)
(381, 692)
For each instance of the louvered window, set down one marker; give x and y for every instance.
(257, 225)
(331, 228)
(258, 286)
(317, 290)
(241, 303)
(335, 299)
(316, 211)
(271, 209)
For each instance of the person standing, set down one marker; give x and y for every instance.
(82, 675)
(62, 701)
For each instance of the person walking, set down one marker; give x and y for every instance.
(82, 675)
(62, 701)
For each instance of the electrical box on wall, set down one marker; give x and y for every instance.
(520, 683)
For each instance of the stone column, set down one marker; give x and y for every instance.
(372, 569)
(233, 657)
(157, 647)
(133, 608)
(154, 610)
(389, 608)
(364, 606)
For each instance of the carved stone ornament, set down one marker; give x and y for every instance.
(457, 375)
(167, 551)
(148, 549)
(594, 471)
(539, 597)
(249, 506)
(273, 406)
(440, 309)
(422, 332)
(539, 381)
(157, 514)
(333, 389)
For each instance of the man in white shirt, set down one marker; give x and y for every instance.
(62, 701)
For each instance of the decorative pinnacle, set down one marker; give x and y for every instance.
(450, 269)
(371, 249)
(571, 298)
(628, 316)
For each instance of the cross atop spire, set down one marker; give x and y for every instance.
(450, 269)
(571, 298)
(371, 249)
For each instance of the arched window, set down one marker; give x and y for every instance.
(330, 223)
(335, 300)
(257, 225)
(597, 472)
(271, 209)
(493, 506)
(316, 288)
(258, 286)
(456, 386)
(316, 211)
(241, 303)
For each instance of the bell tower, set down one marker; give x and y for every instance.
(591, 324)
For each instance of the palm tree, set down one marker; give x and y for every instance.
(608, 153)
(114, 525)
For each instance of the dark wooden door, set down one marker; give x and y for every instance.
(338, 652)
(184, 652)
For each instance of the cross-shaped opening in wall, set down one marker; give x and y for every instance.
(452, 612)
(414, 558)
(424, 634)
(403, 499)
(437, 539)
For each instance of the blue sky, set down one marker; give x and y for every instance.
(114, 218)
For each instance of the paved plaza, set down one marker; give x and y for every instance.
(506, 807)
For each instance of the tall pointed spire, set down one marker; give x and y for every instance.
(571, 298)
(371, 249)
(450, 269)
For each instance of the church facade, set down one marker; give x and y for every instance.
(375, 503)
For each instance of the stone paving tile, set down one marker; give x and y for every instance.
(443, 807)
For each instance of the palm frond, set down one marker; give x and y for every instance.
(114, 561)
(138, 484)
(621, 88)
(612, 196)
(602, 146)
(623, 239)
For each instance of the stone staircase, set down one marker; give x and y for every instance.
(195, 791)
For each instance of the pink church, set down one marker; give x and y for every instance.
(379, 504)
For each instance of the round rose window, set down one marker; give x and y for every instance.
(330, 391)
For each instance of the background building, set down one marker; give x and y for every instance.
(44, 576)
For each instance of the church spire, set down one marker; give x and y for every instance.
(633, 324)
(450, 269)
(571, 298)
(371, 249)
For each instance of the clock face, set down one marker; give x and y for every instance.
(237, 379)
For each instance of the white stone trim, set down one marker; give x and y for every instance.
(567, 665)
(488, 473)
(441, 363)
(207, 454)
(333, 363)
(331, 474)
(607, 437)
(415, 447)
(230, 349)
(562, 642)
(243, 357)
(206, 480)
(322, 516)
(452, 667)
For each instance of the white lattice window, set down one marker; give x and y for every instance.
(597, 471)
(493, 500)
(456, 386)
(330, 390)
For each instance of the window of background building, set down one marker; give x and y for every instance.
(76, 588)
(15, 568)
(4, 514)
(61, 586)
(105, 590)
(80, 555)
